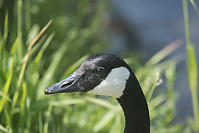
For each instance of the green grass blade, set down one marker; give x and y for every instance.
(14, 46)
(117, 126)
(28, 15)
(26, 58)
(19, 28)
(157, 82)
(3, 129)
(107, 117)
(21, 75)
(47, 121)
(41, 52)
(75, 65)
(193, 78)
(165, 52)
(51, 69)
(103, 103)
(36, 47)
(194, 6)
(192, 67)
(33, 32)
(6, 27)
(186, 22)
(4, 96)
(7, 85)
(23, 98)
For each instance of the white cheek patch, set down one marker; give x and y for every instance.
(114, 84)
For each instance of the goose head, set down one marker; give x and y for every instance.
(100, 74)
(109, 75)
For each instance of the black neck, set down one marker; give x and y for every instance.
(135, 108)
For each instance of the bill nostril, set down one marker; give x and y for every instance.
(66, 84)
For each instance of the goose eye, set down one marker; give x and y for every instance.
(100, 69)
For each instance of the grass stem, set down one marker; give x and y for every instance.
(21, 75)
(191, 66)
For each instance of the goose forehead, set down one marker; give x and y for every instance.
(89, 64)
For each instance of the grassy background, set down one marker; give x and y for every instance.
(33, 57)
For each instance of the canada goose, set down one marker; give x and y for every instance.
(109, 75)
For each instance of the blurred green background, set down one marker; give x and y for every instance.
(32, 58)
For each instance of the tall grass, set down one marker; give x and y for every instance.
(191, 66)
(30, 64)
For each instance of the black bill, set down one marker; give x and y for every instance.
(69, 84)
